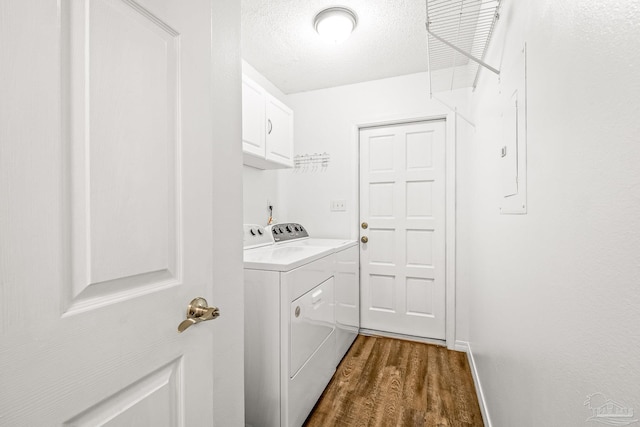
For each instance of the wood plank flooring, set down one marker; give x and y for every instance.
(389, 382)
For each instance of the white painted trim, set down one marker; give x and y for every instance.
(466, 347)
(450, 230)
(355, 155)
(400, 120)
(375, 333)
(461, 346)
(450, 202)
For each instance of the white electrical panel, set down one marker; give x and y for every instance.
(512, 150)
(509, 149)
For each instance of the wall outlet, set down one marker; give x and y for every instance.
(338, 205)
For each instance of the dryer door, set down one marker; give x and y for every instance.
(312, 321)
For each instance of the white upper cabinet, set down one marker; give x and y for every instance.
(267, 128)
(279, 132)
(253, 118)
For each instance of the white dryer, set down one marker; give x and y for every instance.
(346, 274)
(289, 328)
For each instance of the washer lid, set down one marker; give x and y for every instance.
(282, 258)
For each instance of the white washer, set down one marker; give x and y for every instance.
(289, 328)
(346, 274)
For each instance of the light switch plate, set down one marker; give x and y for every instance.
(338, 205)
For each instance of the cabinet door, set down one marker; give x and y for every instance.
(253, 118)
(279, 132)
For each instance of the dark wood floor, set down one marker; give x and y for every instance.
(388, 382)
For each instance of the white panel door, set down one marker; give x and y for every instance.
(106, 213)
(402, 198)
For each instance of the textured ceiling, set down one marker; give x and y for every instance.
(278, 39)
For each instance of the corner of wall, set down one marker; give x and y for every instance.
(465, 347)
(258, 77)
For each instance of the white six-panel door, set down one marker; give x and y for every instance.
(402, 200)
(106, 218)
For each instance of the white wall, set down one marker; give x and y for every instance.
(556, 293)
(256, 76)
(259, 189)
(326, 120)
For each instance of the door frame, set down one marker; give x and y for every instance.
(450, 203)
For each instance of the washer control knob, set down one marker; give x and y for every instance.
(289, 229)
(253, 233)
(260, 231)
(280, 230)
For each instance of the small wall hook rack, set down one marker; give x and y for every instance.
(311, 162)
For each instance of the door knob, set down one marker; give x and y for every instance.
(198, 311)
(364, 239)
(364, 225)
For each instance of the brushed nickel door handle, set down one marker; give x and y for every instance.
(198, 311)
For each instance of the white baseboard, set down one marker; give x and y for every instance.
(462, 346)
(466, 348)
(374, 333)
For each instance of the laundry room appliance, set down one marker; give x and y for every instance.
(346, 278)
(289, 328)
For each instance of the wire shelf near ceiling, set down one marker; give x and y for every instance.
(458, 33)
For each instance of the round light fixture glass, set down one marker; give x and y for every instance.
(335, 24)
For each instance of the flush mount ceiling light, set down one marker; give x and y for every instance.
(335, 24)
